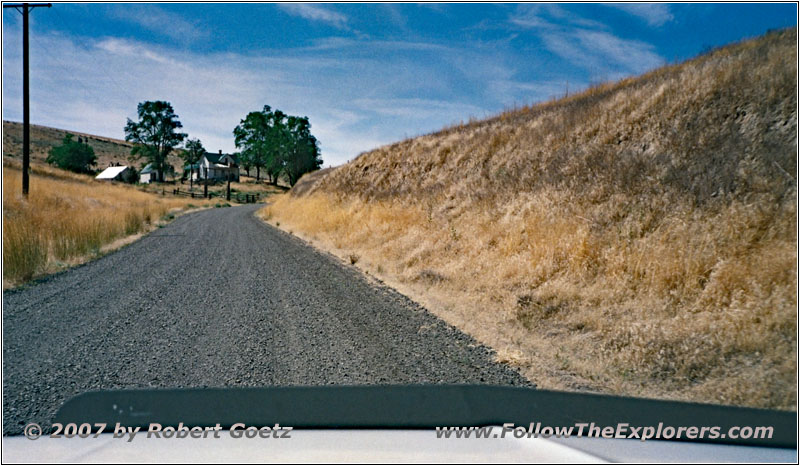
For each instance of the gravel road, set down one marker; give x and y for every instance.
(217, 298)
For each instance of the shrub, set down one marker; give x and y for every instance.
(71, 155)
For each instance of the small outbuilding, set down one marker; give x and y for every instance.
(116, 173)
(148, 174)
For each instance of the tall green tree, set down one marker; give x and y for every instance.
(155, 135)
(250, 135)
(302, 151)
(72, 155)
(279, 143)
(192, 154)
(258, 135)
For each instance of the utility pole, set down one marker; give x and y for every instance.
(26, 102)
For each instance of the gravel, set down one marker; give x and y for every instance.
(219, 299)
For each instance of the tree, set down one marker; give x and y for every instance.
(191, 155)
(302, 154)
(279, 143)
(73, 156)
(246, 161)
(154, 136)
(257, 135)
(251, 136)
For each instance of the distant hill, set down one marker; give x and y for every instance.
(108, 150)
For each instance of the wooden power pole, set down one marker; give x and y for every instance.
(25, 8)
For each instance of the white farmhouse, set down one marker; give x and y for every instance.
(214, 167)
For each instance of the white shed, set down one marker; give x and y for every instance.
(148, 174)
(118, 173)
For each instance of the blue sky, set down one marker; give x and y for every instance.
(365, 74)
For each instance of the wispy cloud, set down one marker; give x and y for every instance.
(415, 108)
(93, 85)
(655, 14)
(157, 20)
(603, 53)
(122, 48)
(396, 16)
(315, 12)
(357, 93)
(551, 16)
(587, 43)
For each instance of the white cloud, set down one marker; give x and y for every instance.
(396, 16)
(587, 43)
(549, 17)
(655, 14)
(160, 21)
(603, 53)
(93, 85)
(130, 49)
(414, 108)
(358, 94)
(315, 12)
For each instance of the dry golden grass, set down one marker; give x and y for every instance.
(637, 238)
(68, 219)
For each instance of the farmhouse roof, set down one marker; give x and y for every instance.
(214, 158)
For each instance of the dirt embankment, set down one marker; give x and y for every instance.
(636, 238)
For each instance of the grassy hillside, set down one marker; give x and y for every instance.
(107, 150)
(636, 238)
(69, 218)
